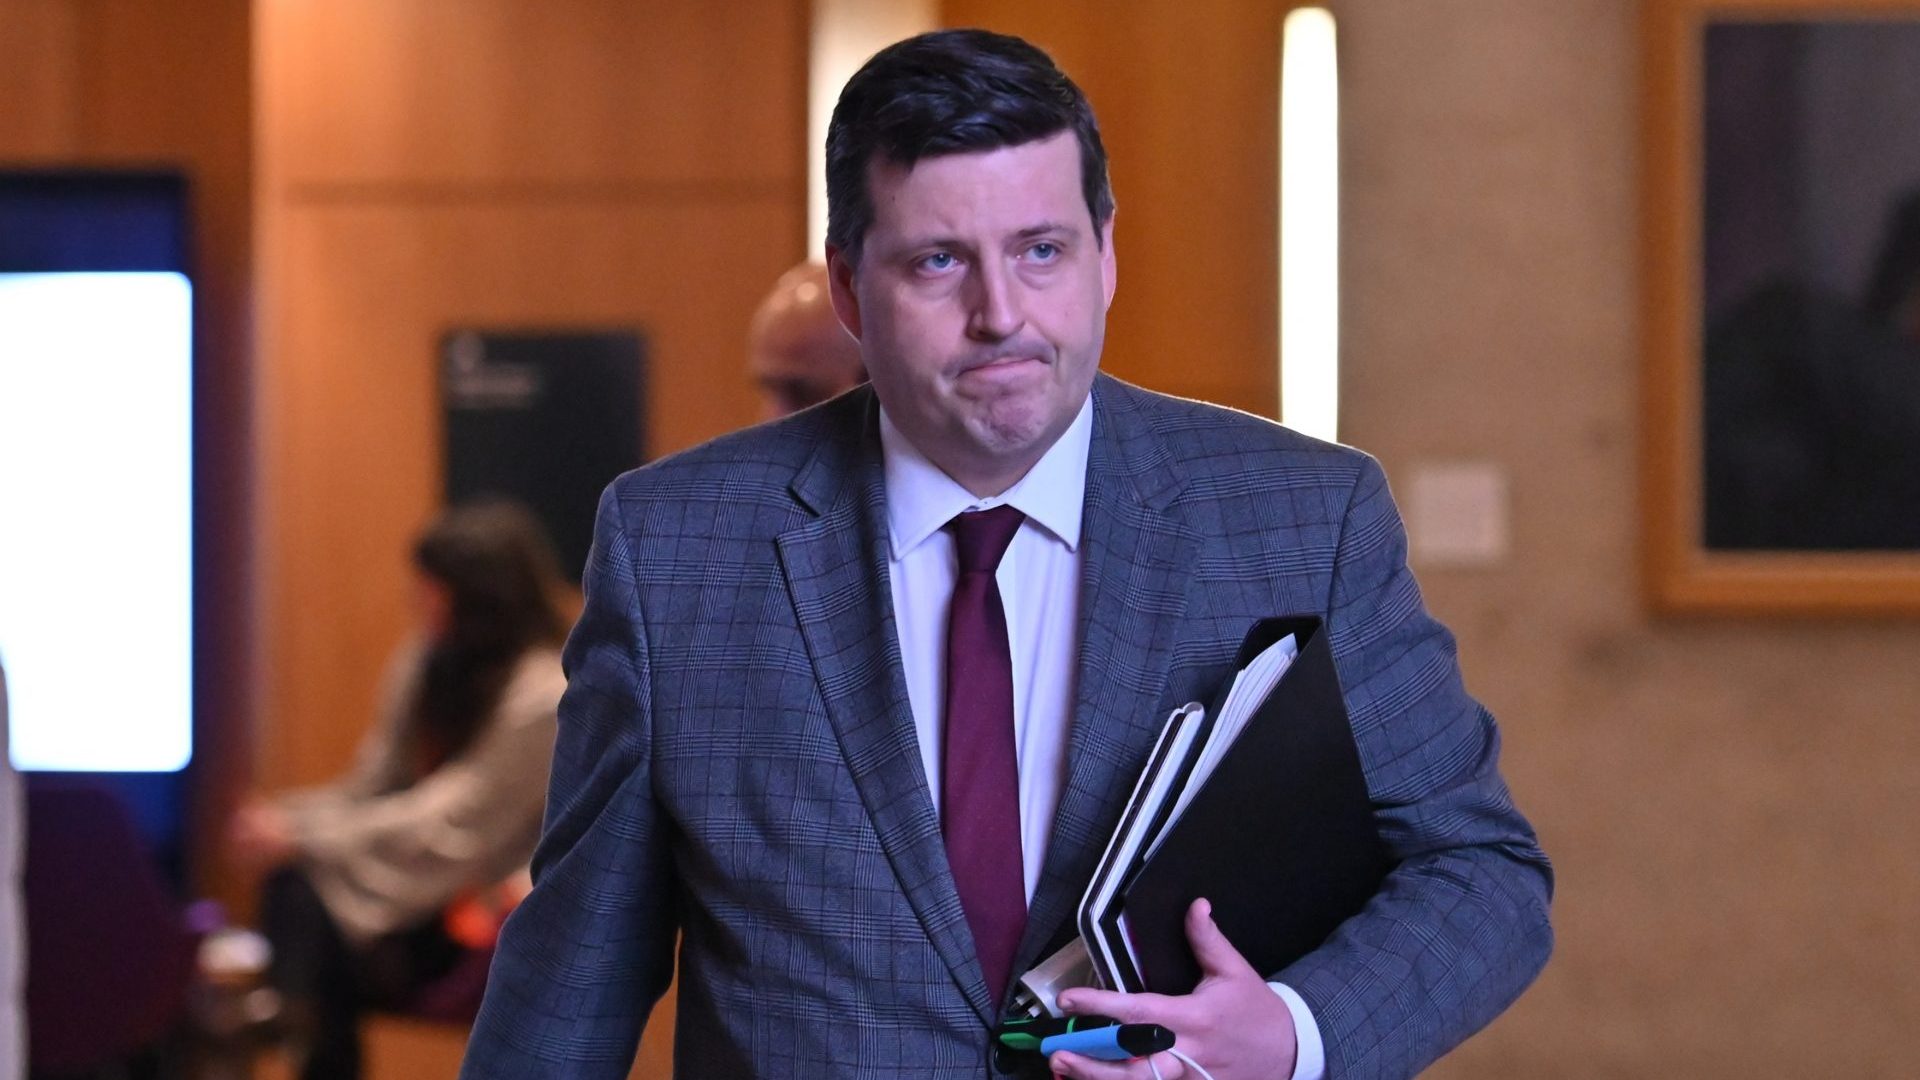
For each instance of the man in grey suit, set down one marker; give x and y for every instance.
(858, 695)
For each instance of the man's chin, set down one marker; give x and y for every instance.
(1013, 435)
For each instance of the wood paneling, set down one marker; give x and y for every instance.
(499, 163)
(367, 291)
(39, 76)
(499, 93)
(1187, 96)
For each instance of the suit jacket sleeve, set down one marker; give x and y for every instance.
(584, 957)
(1460, 927)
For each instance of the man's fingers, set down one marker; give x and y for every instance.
(1126, 1008)
(1216, 954)
(1077, 1067)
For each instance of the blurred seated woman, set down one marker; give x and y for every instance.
(373, 882)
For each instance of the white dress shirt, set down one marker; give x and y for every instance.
(1039, 579)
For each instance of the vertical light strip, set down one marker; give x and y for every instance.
(845, 34)
(1309, 225)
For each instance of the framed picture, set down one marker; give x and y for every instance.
(1781, 223)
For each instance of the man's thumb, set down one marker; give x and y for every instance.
(1216, 954)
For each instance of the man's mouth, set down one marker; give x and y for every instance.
(1001, 364)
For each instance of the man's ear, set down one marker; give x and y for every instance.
(1109, 271)
(846, 304)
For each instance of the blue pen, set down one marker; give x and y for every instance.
(1115, 1042)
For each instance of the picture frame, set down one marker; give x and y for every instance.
(1774, 472)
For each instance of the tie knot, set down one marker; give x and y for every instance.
(981, 537)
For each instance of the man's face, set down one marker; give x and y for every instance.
(980, 303)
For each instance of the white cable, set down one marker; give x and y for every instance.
(1192, 1064)
(1185, 1060)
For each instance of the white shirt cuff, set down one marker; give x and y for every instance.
(1310, 1059)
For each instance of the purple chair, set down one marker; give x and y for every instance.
(453, 998)
(109, 957)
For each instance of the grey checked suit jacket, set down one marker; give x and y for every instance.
(737, 760)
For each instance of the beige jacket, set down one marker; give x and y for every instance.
(382, 862)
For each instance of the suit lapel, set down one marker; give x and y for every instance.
(1136, 556)
(836, 573)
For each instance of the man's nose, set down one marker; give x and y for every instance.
(996, 300)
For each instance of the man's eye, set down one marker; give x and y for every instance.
(1044, 251)
(939, 260)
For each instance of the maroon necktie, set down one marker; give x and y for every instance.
(980, 778)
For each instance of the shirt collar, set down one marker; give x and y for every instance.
(921, 499)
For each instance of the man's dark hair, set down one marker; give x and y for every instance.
(951, 92)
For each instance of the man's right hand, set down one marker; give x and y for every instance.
(1233, 1023)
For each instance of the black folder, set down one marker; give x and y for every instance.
(1281, 839)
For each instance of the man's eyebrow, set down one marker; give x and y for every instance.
(918, 245)
(1043, 229)
(928, 242)
(945, 242)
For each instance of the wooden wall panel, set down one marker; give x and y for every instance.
(367, 291)
(1188, 101)
(500, 93)
(39, 76)
(505, 163)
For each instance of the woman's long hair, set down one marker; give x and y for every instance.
(503, 580)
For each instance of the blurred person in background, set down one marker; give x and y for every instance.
(798, 352)
(13, 935)
(379, 883)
